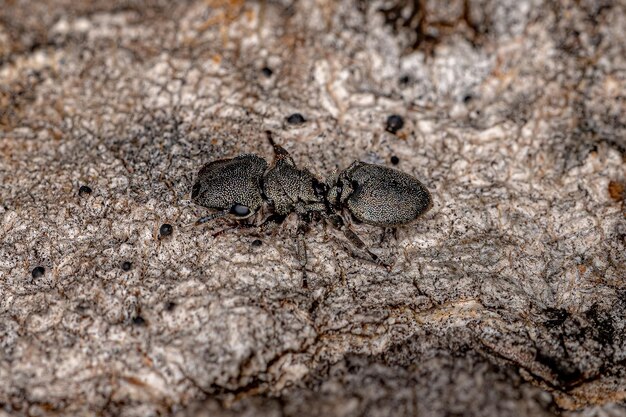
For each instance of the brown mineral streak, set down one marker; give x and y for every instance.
(616, 190)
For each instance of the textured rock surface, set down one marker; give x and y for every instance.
(508, 298)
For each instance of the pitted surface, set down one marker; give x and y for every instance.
(507, 297)
(385, 197)
(290, 188)
(226, 183)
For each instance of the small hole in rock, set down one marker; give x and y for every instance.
(139, 321)
(394, 123)
(166, 230)
(38, 271)
(84, 189)
(267, 71)
(296, 119)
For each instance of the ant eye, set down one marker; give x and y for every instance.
(239, 210)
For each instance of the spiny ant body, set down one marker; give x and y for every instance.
(373, 194)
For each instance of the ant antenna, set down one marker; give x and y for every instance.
(270, 138)
(279, 151)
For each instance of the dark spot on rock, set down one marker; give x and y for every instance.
(126, 266)
(257, 242)
(314, 306)
(84, 189)
(170, 305)
(467, 98)
(395, 160)
(564, 369)
(296, 119)
(394, 123)
(139, 321)
(267, 71)
(555, 316)
(354, 364)
(38, 271)
(404, 80)
(166, 230)
(603, 325)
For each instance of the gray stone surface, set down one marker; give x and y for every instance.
(507, 299)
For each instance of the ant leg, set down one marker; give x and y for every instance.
(386, 231)
(213, 216)
(383, 236)
(271, 221)
(279, 152)
(210, 217)
(338, 222)
(301, 249)
(356, 241)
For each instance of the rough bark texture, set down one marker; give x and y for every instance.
(507, 299)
